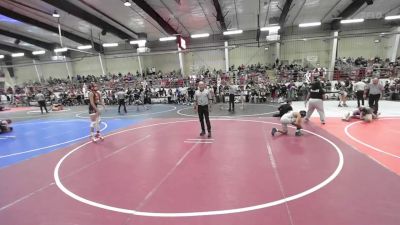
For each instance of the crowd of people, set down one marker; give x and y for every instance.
(256, 83)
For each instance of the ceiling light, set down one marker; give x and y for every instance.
(55, 14)
(138, 42)
(127, 3)
(233, 32)
(314, 24)
(396, 17)
(17, 54)
(266, 48)
(108, 45)
(200, 35)
(352, 21)
(168, 38)
(83, 47)
(270, 28)
(41, 52)
(377, 41)
(1, 56)
(60, 50)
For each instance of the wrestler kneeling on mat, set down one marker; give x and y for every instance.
(293, 118)
(57, 107)
(362, 113)
(94, 113)
(5, 126)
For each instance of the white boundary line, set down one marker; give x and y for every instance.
(232, 116)
(203, 213)
(199, 142)
(38, 111)
(10, 115)
(346, 130)
(125, 116)
(50, 146)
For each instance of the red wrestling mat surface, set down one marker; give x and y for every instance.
(162, 172)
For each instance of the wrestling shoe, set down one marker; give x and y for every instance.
(274, 130)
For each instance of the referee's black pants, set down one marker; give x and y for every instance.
(360, 97)
(231, 102)
(204, 114)
(42, 105)
(373, 102)
(121, 102)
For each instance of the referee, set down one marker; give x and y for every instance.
(121, 100)
(202, 105)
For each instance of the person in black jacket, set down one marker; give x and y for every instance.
(315, 101)
(283, 109)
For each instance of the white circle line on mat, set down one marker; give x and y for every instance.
(202, 213)
(38, 111)
(125, 116)
(179, 112)
(50, 146)
(346, 130)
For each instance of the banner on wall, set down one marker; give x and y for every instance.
(312, 58)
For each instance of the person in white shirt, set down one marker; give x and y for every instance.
(41, 101)
(121, 95)
(203, 106)
(232, 92)
(359, 88)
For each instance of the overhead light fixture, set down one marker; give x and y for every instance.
(138, 42)
(396, 17)
(109, 45)
(41, 52)
(55, 14)
(57, 50)
(17, 54)
(352, 21)
(266, 48)
(270, 28)
(314, 24)
(230, 32)
(1, 56)
(127, 3)
(83, 47)
(200, 35)
(168, 38)
(377, 40)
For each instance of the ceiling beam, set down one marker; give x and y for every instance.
(45, 26)
(84, 15)
(347, 12)
(285, 12)
(153, 14)
(220, 16)
(14, 49)
(38, 43)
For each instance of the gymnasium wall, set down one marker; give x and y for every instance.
(363, 46)
(296, 47)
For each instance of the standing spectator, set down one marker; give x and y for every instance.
(374, 90)
(203, 106)
(359, 88)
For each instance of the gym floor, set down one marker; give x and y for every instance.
(154, 168)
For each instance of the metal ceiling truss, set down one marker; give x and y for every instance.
(48, 27)
(84, 15)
